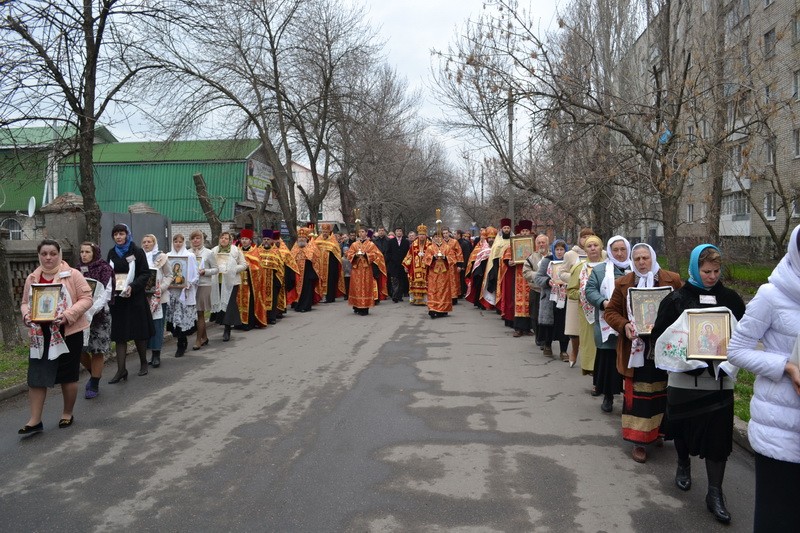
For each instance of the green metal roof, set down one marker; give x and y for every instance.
(168, 187)
(45, 136)
(212, 150)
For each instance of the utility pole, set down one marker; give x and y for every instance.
(510, 157)
(482, 204)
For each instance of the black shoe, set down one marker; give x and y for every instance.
(142, 371)
(155, 362)
(608, 404)
(181, 350)
(715, 502)
(30, 430)
(119, 377)
(683, 476)
(226, 335)
(66, 422)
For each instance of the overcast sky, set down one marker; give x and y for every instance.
(411, 28)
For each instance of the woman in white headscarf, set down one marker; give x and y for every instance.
(645, 397)
(157, 295)
(773, 318)
(599, 288)
(182, 312)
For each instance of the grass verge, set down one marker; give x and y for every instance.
(13, 366)
(742, 392)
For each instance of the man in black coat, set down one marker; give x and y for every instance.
(381, 241)
(466, 249)
(397, 249)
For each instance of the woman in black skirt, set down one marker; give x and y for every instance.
(55, 345)
(131, 319)
(699, 415)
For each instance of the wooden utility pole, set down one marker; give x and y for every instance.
(208, 209)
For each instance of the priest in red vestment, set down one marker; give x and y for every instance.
(364, 279)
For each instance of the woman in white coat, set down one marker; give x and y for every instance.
(182, 311)
(230, 264)
(773, 317)
(157, 296)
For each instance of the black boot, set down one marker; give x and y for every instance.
(715, 501)
(155, 362)
(182, 344)
(226, 335)
(608, 403)
(683, 476)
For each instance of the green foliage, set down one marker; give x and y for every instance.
(742, 392)
(13, 366)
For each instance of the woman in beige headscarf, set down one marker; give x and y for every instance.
(572, 324)
(577, 291)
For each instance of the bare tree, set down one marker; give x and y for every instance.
(65, 62)
(628, 102)
(267, 68)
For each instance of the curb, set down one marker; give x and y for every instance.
(16, 390)
(740, 435)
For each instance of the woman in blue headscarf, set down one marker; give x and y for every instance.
(131, 319)
(699, 415)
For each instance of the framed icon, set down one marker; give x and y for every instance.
(709, 334)
(120, 281)
(521, 248)
(44, 301)
(152, 278)
(644, 305)
(92, 284)
(222, 262)
(555, 268)
(179, 266)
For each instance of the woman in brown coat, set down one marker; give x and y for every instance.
(645, 394)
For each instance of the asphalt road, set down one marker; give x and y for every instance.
(335, 422)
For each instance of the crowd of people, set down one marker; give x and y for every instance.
(630, 325)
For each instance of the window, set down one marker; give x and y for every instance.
(703, 211)
(769, 205)
(796, 85)
(736, 157)
(796, 139)
(767, 3)
(689, 213)
(14, 229)
(745, 57)
(767, 94)
(795, 28)
(796, 208)
(706, 6)
(690, 134)
(735, 204)
(770, 40)
(769, 147)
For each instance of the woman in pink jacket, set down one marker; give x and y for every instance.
(55, 346)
